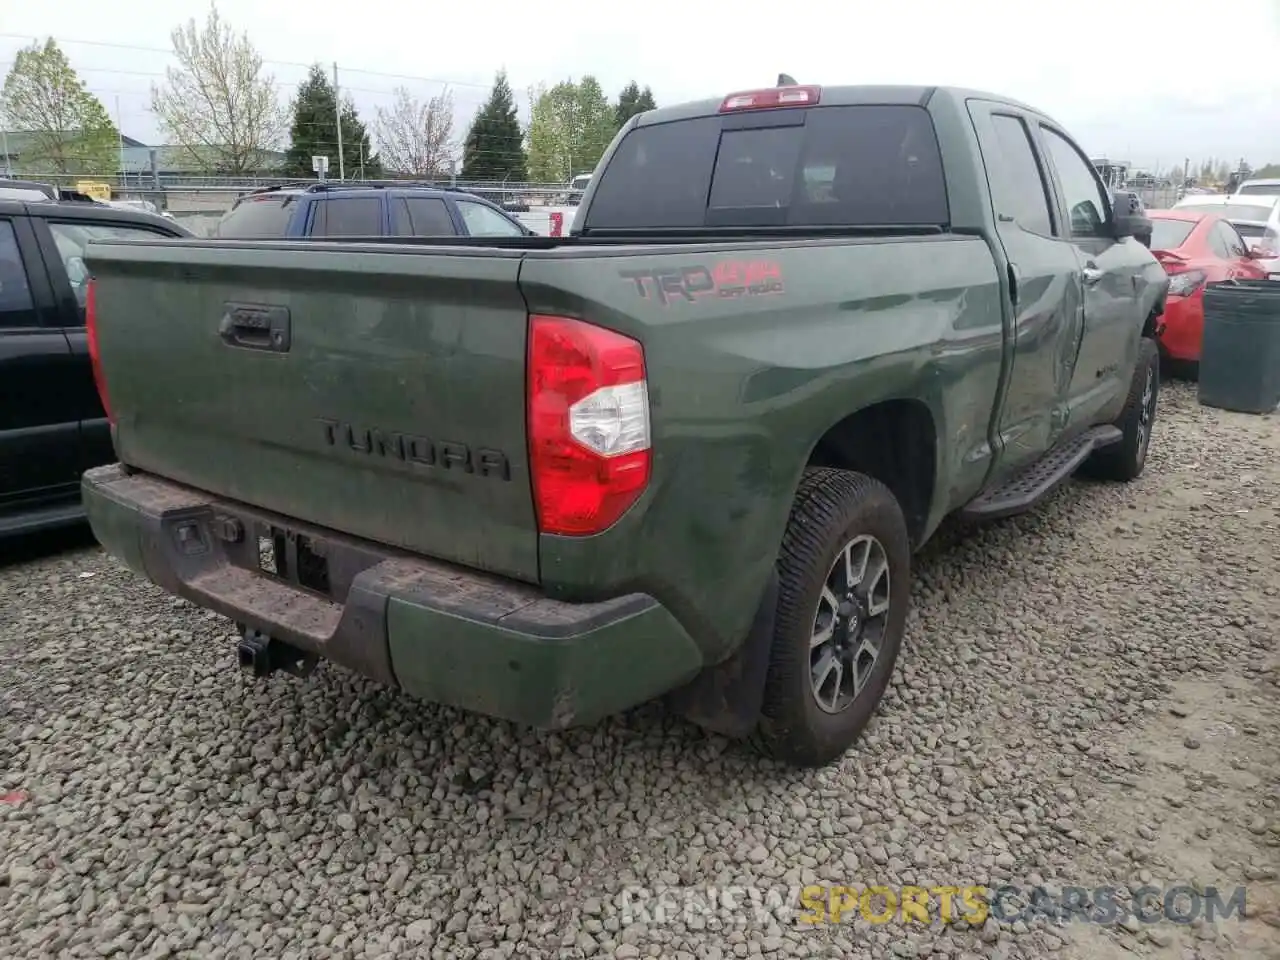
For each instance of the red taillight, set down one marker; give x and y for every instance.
(557, 224)
(91, 334)
(588, 413)
(798, 96)
(1184, 282)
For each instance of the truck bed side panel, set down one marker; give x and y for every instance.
(396, 413)
(743, 383)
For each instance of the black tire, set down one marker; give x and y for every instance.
(833, 509)
(1125, 460)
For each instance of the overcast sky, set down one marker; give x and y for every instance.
(1151, 82)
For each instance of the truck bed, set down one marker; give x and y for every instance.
(394, 409)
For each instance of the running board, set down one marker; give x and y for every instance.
(1024, 490)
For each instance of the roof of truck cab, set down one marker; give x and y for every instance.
(842, 96)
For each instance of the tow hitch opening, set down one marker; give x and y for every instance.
(261, 655)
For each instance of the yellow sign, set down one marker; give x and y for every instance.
(94, 188)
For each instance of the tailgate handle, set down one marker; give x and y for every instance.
(256, 326)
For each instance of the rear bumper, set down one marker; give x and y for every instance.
(1183, 327)
(437, 631)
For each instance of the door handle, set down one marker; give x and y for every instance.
(255, 326)
(1092, 274)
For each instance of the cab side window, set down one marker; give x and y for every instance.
(1087, 205)
(17, 309)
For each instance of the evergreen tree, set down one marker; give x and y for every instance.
(314, 132)
(494, 148)
(632, 100)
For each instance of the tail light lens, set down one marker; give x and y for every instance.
(91, 334)
(588, 409)
(557, 224)
(1185, 283)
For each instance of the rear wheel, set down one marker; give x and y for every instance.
(844, 589)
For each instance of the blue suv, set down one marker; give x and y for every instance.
(364, 208)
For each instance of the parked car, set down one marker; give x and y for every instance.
(26, 190)
(1249, 214)
(556, 219)
(52, 425)
(1258, 187)
(364, 208)
(145, 205)
(1195, 247)
(687, 451)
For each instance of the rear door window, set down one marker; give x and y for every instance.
(258, 218)
(17, 308)
(1231, 239)
(347, 217)
(864, 166)
(1018, 187)
(420, 217)
(1218, 244)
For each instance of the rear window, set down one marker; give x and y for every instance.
(420, 217)
(1244, 211)
(257, 218)
(1170, 234)
(1259, 189)
(824, 166)
(1251, 229)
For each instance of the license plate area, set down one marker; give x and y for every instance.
(318, 561)
(294, 558)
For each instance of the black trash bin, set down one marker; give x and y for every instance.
(1240, 353)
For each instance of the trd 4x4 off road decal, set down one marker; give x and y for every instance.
(728, 279)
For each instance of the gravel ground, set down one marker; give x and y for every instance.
(1088, 696)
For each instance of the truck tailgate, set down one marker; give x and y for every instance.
(379, 393)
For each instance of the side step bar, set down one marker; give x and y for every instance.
(1024, 490)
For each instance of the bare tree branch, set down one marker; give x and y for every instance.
(416, 137)
(218, 105)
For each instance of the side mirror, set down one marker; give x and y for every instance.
(1129, 217)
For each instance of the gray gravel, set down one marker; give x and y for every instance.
(1088, 696)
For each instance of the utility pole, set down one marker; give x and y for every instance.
(337, 116)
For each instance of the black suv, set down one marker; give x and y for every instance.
(52, 425)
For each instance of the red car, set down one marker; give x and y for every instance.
(1195, 247)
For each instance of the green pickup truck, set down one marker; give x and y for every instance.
(685, 452)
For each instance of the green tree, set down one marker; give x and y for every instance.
(218, 105)
(1268, 171)
(314, 132)
(632, 100)
(570, 126)
(494, 148)
(67, 128)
